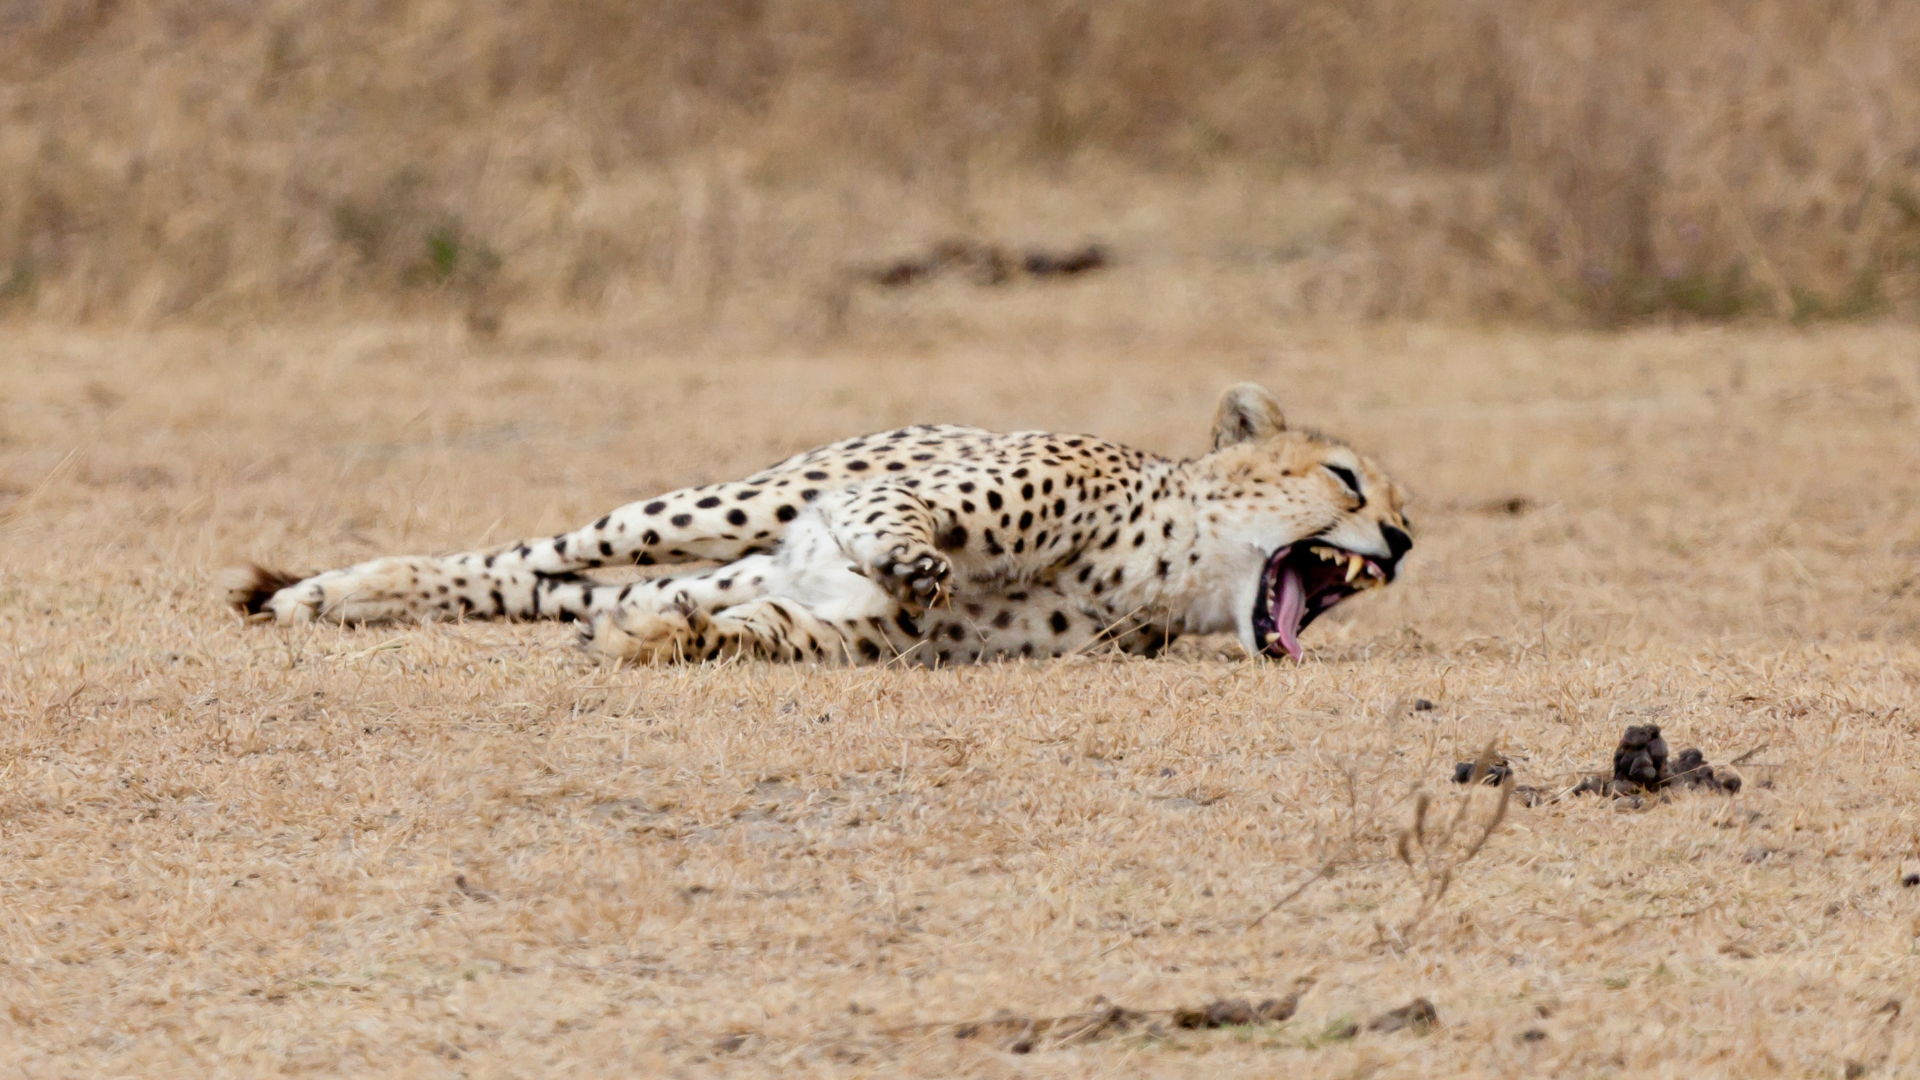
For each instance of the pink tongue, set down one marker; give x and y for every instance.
(1289, 610)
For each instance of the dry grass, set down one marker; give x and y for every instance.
(1566, 160)
(463, 850)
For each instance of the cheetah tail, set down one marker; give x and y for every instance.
(249, 587)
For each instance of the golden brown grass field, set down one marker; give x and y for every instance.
(1626, 293)
(464, 850)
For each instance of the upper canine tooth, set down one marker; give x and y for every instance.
(1354, 567)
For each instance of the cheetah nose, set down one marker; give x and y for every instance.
(1398, 544)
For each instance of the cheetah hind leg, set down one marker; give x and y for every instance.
(771, 628)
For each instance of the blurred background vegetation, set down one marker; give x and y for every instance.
(1575, 162)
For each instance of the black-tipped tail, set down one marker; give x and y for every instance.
(249, 587)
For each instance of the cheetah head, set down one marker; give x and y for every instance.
(1300, 521)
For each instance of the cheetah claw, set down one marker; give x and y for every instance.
(920, 581)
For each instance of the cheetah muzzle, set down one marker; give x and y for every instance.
(936, 545)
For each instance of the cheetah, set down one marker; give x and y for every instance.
(935, 545)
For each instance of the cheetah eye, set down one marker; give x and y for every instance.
(1345, 476)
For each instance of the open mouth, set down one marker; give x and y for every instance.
(1301, 581)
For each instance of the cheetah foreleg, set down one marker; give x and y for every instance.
(888, 533)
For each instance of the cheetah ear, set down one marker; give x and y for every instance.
(1247, 413)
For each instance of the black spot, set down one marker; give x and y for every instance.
(816, 474)
(559, 545)
(499, 602)
(786, 513)
(808, 494)
(1020, 545)
(649, 538)
(1026, 491)
(1059, 622)
(954, 631)
(869, 650)
(655, 507)
(1167, 530)
(681, 521)
(1026, 520)
(856, 466)
(748, 494)
(1059, 508)
(906, 624)
(736, 516)
(993, 500)
(709, 502)
(1046, 488)
(602, 523)
(1139, 538)
(1003, 620)
(966, 487)
(896, 466)
(954, 539)
(1109, 541)
(1164, 567)
(724, 584)
(1085, 572)
(606, 548)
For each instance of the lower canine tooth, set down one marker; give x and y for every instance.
(1354, 567)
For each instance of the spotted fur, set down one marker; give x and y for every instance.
(939, 544)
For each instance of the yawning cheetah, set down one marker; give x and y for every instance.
(938, 543)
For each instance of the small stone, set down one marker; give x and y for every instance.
(1188, 1017)
(1229, 1013)
(1756, 854)
(1274, 1010)
(1422, 705)
(1417, 1014)
(1496, 774)
(1909, 881)
(730, 1043)
(1532, 1035)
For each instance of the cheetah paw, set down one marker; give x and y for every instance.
(674, 635)
(381, 590)
(915, 576)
